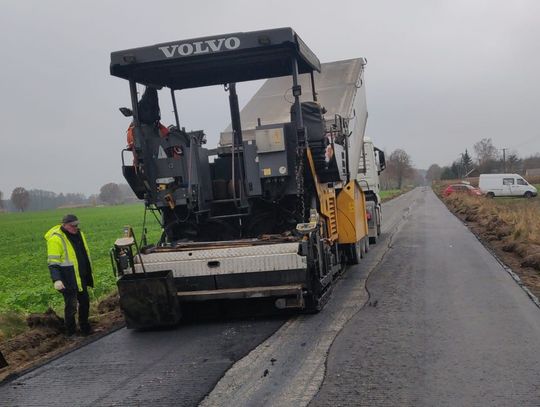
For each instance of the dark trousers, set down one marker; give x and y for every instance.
(71, 298)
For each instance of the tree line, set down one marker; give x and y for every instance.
(399, 173)
(488, 159)
(22, 200)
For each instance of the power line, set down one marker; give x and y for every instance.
(525, 142)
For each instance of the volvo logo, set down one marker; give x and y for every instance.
(200, 47)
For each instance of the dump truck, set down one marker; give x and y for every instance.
(372, 163)
(275, 209)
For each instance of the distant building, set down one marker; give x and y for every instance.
(532, 172)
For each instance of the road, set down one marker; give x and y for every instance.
(428, 318)
(450, 328)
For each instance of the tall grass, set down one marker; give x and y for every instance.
(515, 219)
(25, 284)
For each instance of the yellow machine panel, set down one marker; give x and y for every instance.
(327, 199)
(352, 220)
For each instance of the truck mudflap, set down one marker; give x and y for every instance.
(373, 221)
(148, 300)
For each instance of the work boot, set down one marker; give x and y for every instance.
(69, 329)
(69, 333)
(86, 329)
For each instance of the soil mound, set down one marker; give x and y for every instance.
(45, 337)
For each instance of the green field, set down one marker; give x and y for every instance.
(25, 284)
(390, 193)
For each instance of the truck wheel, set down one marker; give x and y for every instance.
(373, 239)
(490, 195)
(354, 253)
(366, 244)
(362, 245)
(528, 194)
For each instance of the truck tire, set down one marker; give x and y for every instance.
(378, 222)
(354, 253)
(528, 194)
(490, 195)
(366, 244)
(373, 239)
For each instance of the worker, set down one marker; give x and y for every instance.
(149, 114)
(71, 271)
(163, 132)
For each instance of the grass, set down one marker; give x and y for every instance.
(517, 219)
(391, 193)
(25, 284)
(514, 221)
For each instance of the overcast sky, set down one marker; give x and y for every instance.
(441, 75)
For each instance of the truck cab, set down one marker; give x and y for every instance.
(372, 163)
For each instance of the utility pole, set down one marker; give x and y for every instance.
(504, 158)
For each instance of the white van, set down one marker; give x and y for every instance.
(505, 185)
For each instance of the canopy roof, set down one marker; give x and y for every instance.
(215, 60)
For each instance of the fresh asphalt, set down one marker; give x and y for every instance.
(428, 318)
(174, 367)
(447, 325)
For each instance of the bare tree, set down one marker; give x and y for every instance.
(127, 193)
(110, 193)
(399, 167)
(485, 151)
(1, 200)
(434, 172)
(20, 198)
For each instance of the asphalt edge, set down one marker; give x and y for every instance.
(87, 341)
(492, 251)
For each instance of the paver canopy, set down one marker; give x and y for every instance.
(222, 59)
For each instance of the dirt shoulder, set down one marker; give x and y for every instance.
(45, 340)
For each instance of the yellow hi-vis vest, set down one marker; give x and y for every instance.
(60, 251)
